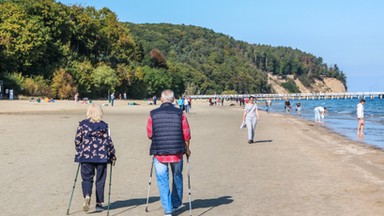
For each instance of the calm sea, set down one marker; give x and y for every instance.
(341, 117)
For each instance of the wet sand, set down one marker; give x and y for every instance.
(295, 167)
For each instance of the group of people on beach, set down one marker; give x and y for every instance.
(170, 134)
(320, 115)
(320, 112)
(251, 115)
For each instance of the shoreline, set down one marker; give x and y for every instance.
(293, 168)
(342, 118)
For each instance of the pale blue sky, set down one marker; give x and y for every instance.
(343, 32)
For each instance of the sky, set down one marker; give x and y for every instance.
(343, 32)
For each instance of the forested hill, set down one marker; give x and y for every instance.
(54, 50)
(217, 62)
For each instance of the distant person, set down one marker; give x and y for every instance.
(298, 108)
(125, 96)
(180, 102)
(250, 117)
(241, 101)
(94, 150)
(360, 117)
(268, 104)
(320, 114)
(190, 102)
(112, 99)
(186, 105)
(169, 131)
(174, 103)
(287, 105)
(76, 97)
(154, 100)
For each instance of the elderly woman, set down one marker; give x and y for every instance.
(250, 117)
(94, 150)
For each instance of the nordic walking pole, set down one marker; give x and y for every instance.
(110, 184)
(149, 185)
(110, 178)
(73, 188)
(189, 186)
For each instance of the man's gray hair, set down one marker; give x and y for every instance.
(168, 95)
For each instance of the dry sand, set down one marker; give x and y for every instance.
(294, 168)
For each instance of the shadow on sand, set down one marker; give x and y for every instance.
(131, 203)
(196, 204)
(205, 203)
(261, 141)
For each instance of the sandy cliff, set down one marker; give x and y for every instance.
(325, 85)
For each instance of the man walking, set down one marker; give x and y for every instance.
(169, 131)
(360, 117)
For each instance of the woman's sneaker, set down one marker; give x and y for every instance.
(99, 207)
(87, 201)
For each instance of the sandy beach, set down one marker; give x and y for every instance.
(295, 167)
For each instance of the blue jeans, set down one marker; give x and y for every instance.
(168, 200)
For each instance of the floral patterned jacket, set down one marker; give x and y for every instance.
(93, 144)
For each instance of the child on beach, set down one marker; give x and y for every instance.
(94, 150)
(360, 117)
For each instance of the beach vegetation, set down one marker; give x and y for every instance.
(291, 86)
(52, 46)
(63, 86)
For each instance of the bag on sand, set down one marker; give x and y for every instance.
(243, 125)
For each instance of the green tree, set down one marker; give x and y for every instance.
(104, 80)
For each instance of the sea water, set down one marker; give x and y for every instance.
(341, 117)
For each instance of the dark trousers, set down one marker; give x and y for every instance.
(87, 174)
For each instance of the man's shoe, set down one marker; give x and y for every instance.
(87, 201)
(168, 215)
(99, 207)
(250, 141)
(178, 208)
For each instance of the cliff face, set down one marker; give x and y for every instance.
(324, 86)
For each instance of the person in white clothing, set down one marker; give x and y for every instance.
(250, 117)
(360, 117)
(320, 114)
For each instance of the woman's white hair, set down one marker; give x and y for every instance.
(94, 113)
(168, 95)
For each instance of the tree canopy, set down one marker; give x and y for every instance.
(54, 50)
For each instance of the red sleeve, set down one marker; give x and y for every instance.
(149, 127)
(186, 129)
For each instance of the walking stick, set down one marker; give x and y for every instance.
(189, 186)
(149, 185)
(73, 189)
(110, 184)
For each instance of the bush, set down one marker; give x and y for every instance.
(290, 85)
(37, 86)
(62, 85)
